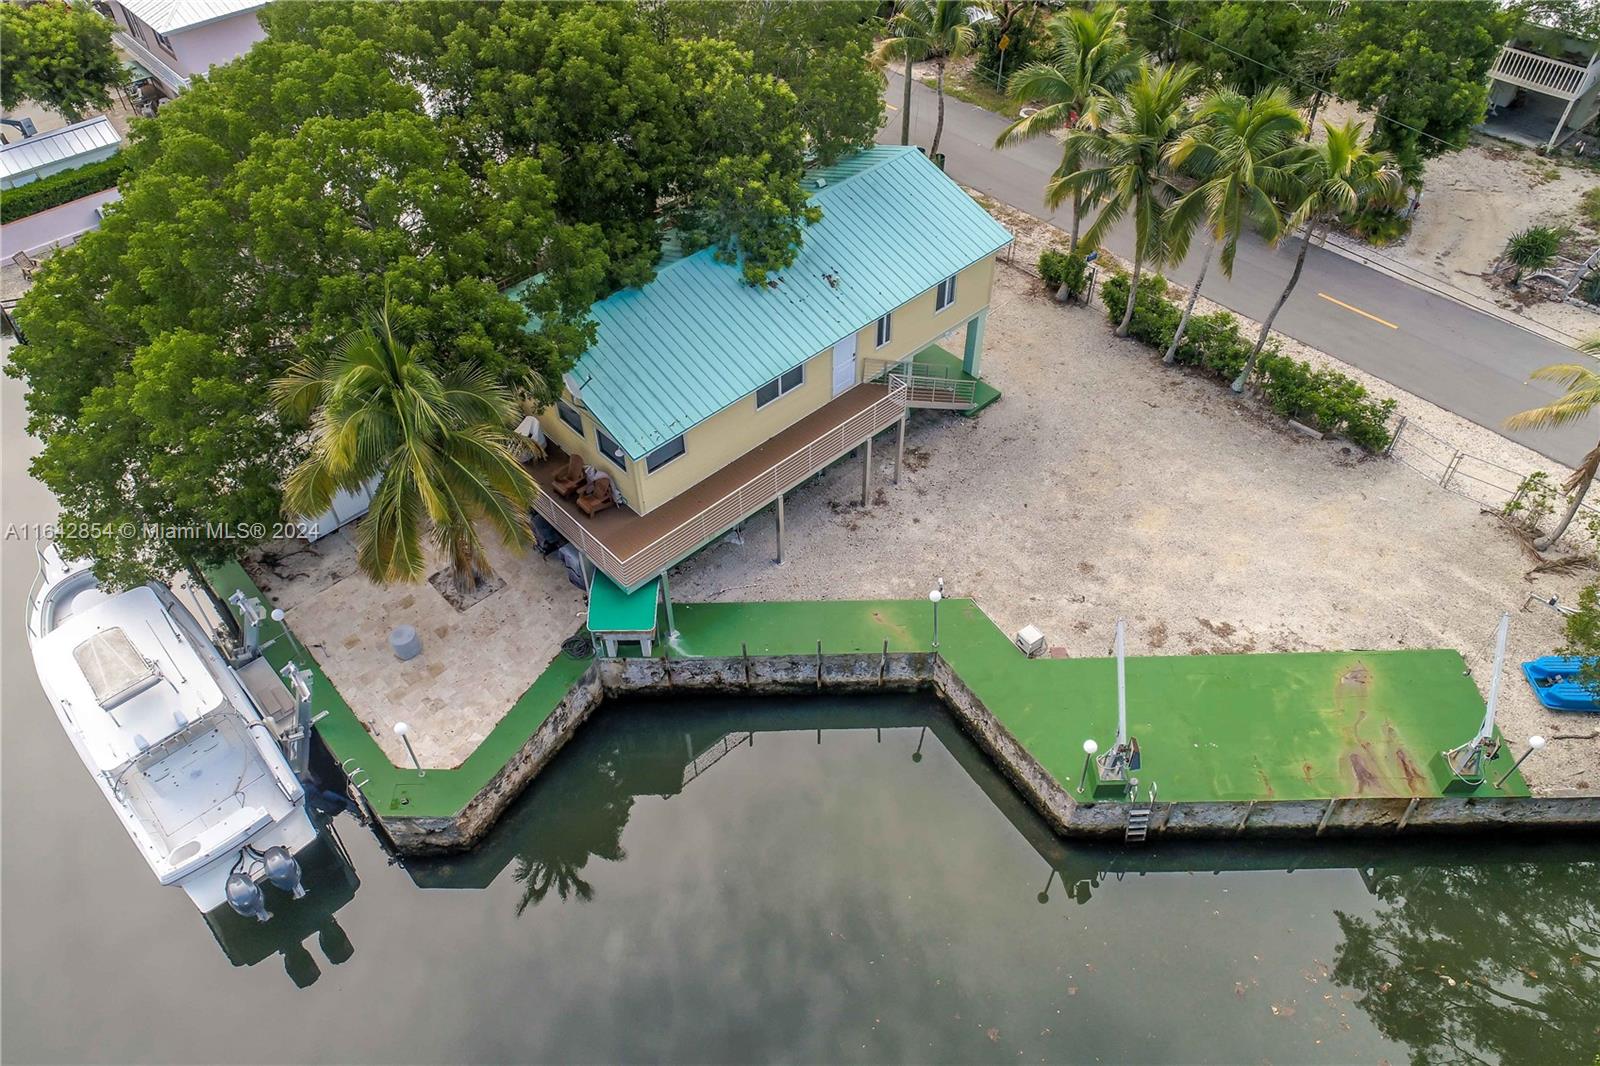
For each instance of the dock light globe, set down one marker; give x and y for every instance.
(935, 596)
(1536, 742)
(277, 614)
(1090, 747)
(401, 729)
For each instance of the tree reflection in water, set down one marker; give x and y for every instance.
(1492, 963)
(581, 814)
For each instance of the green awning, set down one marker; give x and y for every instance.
(612, 610)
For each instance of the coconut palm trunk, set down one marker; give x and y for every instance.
(1188, 308)
(1133, 294)
(938, 126)
(1283, 297)
(1578, 487)
(905, 105)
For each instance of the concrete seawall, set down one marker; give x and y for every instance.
(1061, 808)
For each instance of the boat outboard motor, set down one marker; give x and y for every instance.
(245, 896)
(283, 870)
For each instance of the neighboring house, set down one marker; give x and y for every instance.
(59, 149)
(1543, 88)
(177, 39)
(704, 399)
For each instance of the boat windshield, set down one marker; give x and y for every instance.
(114, 668)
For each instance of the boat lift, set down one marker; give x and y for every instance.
(1114, 769)
(1464, 765)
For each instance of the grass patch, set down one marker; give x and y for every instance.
(1591, 206)
(972, 87)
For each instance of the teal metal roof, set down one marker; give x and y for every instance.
(697, 338)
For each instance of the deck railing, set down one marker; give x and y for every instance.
(1534, 71)
(160, 68)
(927, 385)
(717, 518)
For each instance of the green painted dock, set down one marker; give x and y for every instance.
(1293, 726)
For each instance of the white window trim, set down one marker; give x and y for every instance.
(782, 392)
(648, 469)
(939, 291)
(620, 464)
(568, 425)
(885, 329)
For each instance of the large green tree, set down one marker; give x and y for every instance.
(1423, 66)
(820, 51)
(436, 153)
(58, 55)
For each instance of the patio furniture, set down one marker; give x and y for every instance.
(598, 498)
(26, 263)
(569, 481)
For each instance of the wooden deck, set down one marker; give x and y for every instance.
(632, 548)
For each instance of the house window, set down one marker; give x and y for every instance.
(788, 381)
(165, 42)
(885, 328)
(610, 449)
(664, 454)
(569, 414)
(946, 294)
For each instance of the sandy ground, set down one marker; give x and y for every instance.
(1103, 486)
(1472, 202)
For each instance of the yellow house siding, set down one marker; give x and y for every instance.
(739, 427)
(625, 481)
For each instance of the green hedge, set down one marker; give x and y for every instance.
(1325, 399)
(60, 188)
(1058, 268)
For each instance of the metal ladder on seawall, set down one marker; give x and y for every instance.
(1139, 814)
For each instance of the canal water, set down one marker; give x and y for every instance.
(812, 881)
(817, 880)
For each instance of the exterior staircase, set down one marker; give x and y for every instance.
(934, 380)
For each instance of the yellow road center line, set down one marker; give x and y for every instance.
(1357, 310)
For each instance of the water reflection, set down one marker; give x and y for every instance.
(331, 882)
(1481, 963)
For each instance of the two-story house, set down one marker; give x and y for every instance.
(178, 39)
(704, 400)
(1544, 88)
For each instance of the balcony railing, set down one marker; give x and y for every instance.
(160, 68)
(1543, 74)
(717, 518)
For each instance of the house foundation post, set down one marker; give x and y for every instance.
(666, 596)
(1556, 136)
(900, 446)
(973, 358)
(866, 474)
(779, 557)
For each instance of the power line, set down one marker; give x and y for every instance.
(1304, 82)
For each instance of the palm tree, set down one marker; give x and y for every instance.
(1090, 57)
(1243, 149)
(440, 444)
(1582, 396)
(1532, 249)
(920, 28)
(1123, 163)
(1338, 176)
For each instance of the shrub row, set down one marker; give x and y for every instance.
(1059, 268)
(1323, 399)
(61, 187)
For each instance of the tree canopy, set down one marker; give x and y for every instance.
(58, 55)
(1423, 65)
(436, 153)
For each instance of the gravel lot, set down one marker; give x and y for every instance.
(1103, 485)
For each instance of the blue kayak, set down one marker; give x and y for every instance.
(1554, 679)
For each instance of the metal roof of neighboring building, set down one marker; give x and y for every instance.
(58, 146)
(175, 16)
(697, 338)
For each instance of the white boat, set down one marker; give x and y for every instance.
(188, 749)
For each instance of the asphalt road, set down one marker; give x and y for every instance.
(1462, 359)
